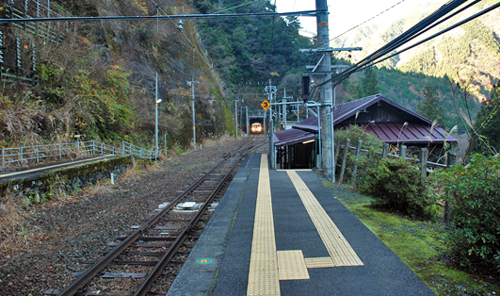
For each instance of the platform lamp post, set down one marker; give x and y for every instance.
(157, 101)
(191, 83)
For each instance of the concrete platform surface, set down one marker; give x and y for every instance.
(220, 262)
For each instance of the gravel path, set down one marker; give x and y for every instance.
(72, 230)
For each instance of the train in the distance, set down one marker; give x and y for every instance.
(256, 128)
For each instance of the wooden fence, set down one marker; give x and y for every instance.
(421, 161)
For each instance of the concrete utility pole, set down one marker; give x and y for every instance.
(191, 83)
(236, 118)
(247, 122)
(271, 90)
(285, 98)
(157, 101)
(325, 92)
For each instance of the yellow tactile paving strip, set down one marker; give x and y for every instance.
(292, 266)
(263, 277)
(319, 262)
(339, 249)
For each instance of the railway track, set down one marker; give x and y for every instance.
(139, 262)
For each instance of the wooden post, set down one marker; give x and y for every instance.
(355, 169)
(452, 160)
(337, 150)
(423, 163)
(3, 158)
(123, 147)
(402, 153)
(342, 168)
(385, 150)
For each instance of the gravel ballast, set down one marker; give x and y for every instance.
(70, 230)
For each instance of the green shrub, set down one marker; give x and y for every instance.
(473, 193)
(395, 185)
(369, 142)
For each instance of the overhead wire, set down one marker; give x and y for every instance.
(444, 30)
(421, 27)
(242, 5)
(360, 24)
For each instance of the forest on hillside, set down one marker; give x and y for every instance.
(99, 80)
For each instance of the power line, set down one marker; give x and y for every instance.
(367, 20)
(311, 13)
(272, 30)
(429, 22)
(242, 5)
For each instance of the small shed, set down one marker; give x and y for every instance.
(377, 115)
(294, 148)
(393, 124)
(390, 122)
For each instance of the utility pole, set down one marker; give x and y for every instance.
(236, 118)
(157, 101)
(247, 122)
(298, 110)
(325, 105)
(270, 91)
(191, 83)
(325, 92)
(285, 98)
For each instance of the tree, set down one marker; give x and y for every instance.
(486, 138)
(369, 84)
(430, 106)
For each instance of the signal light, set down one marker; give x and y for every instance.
(306, 85)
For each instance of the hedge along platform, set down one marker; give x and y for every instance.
(284, 233)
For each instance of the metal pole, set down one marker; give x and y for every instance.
(156, 118)
(192, 82)
(194, 115)
(3, 158)
(247, 122)
(298, 117)
(332, 135)
(325, 93)
(264, 123)
(236, 118)
(165, 145)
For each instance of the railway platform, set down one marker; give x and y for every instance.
(281, 232)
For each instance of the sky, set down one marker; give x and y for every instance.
(347, 14)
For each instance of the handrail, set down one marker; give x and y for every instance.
(31, 155)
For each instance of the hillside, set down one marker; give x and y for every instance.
(98, 78)
(468, 51)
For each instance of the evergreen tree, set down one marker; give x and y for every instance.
(369, 84)
(430, 106)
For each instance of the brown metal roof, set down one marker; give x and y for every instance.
(292, 136)
(309, 124)
(394, 133)
(344, 111)
(415, 130)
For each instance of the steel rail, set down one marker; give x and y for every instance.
(165, 259)
(104, 261)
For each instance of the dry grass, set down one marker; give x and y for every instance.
(463, 144)
(225, 139)
(15, 233)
